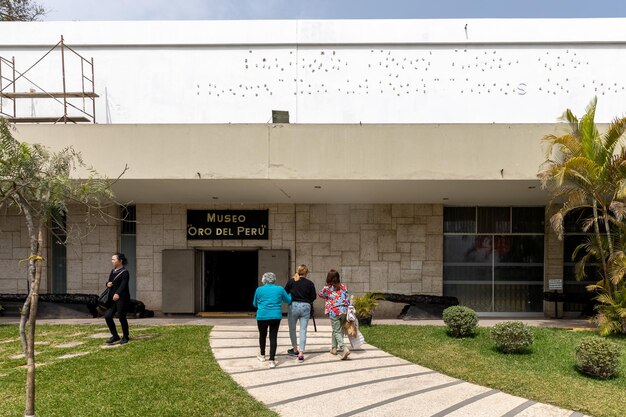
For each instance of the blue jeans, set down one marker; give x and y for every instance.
(298, 311)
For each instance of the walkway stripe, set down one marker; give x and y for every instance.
(310, 352)
(251, 328)
(256, 337)
(257, 346)
(300, 365)
(284, 381)
(400, 397)
(346, 387)
(463, 403)
(519, 408)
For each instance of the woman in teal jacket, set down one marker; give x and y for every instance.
(268, 300)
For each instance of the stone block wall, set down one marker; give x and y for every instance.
(393, 248)
(15, 247)
(396, 248)
(91, 242)
(553, 261)
(386, 247)
(164, 226)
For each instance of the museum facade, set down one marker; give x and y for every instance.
(405, 156)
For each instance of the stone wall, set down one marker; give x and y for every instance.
(396, 248)
(14, 247)
(553, 261)
(91, 242)
(163, 226)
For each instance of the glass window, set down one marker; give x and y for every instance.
(501, 269)
(526, 249)
(494, 220)
(528, 219)
(58, 253)
(573, 237)
(468, 248)
(522, 298)
(467, 273)
(575, 220)
(523, 274)
(476, 297)
(128, 243)
(459, 220)
(571, 242)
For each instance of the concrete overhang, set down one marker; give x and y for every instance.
(450, 164)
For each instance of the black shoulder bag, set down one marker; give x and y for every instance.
(104, 300)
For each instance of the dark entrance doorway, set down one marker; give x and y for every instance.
(230, 279)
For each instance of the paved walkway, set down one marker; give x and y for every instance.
(370, 383)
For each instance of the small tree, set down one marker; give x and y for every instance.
(20, 10)
(585, 170)
(38, 184)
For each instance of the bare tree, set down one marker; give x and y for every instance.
(38, 183)
(20, 10)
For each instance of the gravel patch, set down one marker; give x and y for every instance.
(143, 337)
(73, 355)
(69, 344)
(105, 346)
(99, 336)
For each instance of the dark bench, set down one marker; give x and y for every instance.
(59, 305)
(586, 299)
(421, 306)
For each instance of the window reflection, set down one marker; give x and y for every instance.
(500, 271)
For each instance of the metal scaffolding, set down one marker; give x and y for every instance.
(68, 100)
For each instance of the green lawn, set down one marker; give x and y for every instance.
(163, 371)
(547, 374)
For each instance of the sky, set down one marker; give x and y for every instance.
(326, 9)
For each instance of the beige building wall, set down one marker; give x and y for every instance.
(164, 226)
(394, 248)
(553, 261)
(387, 247)
(376, 247)
(14, 250)
(91, 242)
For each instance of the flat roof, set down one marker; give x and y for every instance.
(317, 32)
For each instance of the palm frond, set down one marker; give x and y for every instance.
(588, 130)
(614, 134)
(571, 119)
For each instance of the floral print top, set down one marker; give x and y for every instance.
(336, 301)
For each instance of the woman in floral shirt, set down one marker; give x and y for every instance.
(336, 305)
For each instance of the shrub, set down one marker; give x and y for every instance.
(611, 310)
(366, 304)
(512, 337)
(461, 321)
(597, 357)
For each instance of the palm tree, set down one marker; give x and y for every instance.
(583, 170)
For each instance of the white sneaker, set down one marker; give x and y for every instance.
(261, 358)
(272, 364)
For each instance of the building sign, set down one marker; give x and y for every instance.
(555, 284)
(227, 224)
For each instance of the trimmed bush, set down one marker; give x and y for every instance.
(512, 337)
(598, 357)
(461, 321)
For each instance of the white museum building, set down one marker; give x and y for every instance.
(403, 153)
